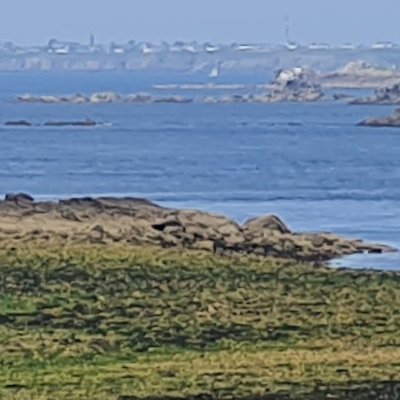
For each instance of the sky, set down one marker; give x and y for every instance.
(332, 21)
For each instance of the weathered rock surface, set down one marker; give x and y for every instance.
(138, 221)
(295, 85)
(360, 75)
(392, 120)
(102, 98)
(386, 96)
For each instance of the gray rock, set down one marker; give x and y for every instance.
(385, 96)
(19, 199)
(295, 85)
(21, 122)
(104, 97)
(269, 222)
(140, 222)
(392, 120)
(85, 123)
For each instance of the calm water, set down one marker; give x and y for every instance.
(308, 163)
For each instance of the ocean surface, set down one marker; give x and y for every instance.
(308, 163)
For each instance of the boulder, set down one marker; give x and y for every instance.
(268, 222)
(19, 199)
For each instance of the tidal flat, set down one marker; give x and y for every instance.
(124, 322)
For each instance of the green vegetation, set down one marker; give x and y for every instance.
(113, 322)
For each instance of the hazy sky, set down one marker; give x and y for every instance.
(334, 21)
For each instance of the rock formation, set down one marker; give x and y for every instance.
(141, 222)
(294, 85)
(87, 123)
(385, 96)
(392, 120)
(360, 75)
(102, 98)
(18, 123)
(84, 123)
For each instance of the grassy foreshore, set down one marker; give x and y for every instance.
(112, 322)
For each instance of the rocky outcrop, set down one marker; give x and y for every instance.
(295, 85)
(84, 123)
(21, 122)
(103, 98)
(392, 120)
(360, 75)
(141, 222)
(87, 122)
(385, 96)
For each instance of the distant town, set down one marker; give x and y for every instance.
(190, 57)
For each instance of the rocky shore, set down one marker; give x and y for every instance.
(386, 96)
(102, 98)
(392, 120)
(141, 222)
(291, 85)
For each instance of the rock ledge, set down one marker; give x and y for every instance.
(135, 221)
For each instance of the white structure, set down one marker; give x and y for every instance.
(147, 49)
(246, 47)
(62, 50)
(383, 45)
(319, 46)
(291, 46)
(211, 49)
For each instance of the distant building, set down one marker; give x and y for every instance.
(246, 47)
(209, 48)
(383, 45)
(147, 48)
(319, 46)
(347, 46)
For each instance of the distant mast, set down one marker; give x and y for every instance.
(92, 41)
(287, 30)
(290, 45)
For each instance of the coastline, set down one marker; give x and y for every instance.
(136, 221)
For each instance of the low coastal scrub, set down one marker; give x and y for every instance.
(119, 322)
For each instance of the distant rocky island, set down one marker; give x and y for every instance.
(103, 98)
(392, 120)
(293, 85)
(384, 96)
(297, 84)
(25, 123)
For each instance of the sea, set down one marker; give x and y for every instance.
(310, 164)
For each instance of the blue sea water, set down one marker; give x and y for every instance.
(308, 163)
